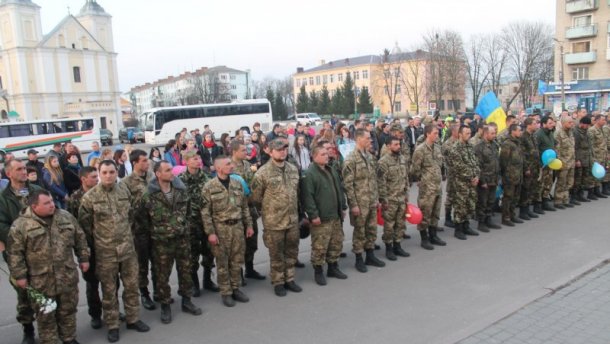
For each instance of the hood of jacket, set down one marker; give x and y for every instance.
(153, 186)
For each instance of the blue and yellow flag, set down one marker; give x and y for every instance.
(490, 109)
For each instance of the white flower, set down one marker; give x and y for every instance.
(48, 306)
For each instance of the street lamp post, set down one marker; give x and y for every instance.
(561, 75)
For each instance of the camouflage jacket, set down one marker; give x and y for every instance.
(106, 215)
(564, 146)
(221, 205)
(502, 136)
(392, 178)
(137, 186)
(582, 147)
(405, 152)
(475, 140)
(275, 190)
(531, 156)
(194, 184)
(487, 154)
(163, 219)
(44, 254)
(606, 131)
(11, 205)
(74, 202)
(599, 145)
(244, 169)
(426, 167)
(445, 149)
(360, 180)
(511, 162)
(463, 162)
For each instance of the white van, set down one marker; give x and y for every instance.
(309, 118)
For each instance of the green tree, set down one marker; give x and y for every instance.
(364, 101)
(302, 100)
(314, 102)
(348, 95)
(337, 102)
(280, 112)
(324, 103)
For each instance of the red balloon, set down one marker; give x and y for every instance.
(413, 214)
(379, 216)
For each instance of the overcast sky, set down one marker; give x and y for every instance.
(155, 39)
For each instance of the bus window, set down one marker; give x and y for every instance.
(4, 131)
(150, 120)
(57, 128)
(86, 124)
(43, 128)
(71, 126)
(20, 130)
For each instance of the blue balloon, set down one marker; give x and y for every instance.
(598, 171)
(548, 156)
(499, 191)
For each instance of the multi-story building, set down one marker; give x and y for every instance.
(69, 72)
(204, 85)
(583, 55)
(397, 83)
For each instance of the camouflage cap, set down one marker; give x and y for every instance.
(188, 154)
(396, 127)
(428, 120)
(278, 144)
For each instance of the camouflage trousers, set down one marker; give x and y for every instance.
(108, 273)
(283, 246)
(528, 192)
(565, 180)
(486, 197)
(60, 324)
(365, 230)
(465, 199)
(547, 183)
(25, 313)
(200, 248)
(450, 191)
(429, 202)
(165, 253)
(510, 199)
(142, 244)
(229, 255)
(94, 303)
(326, 242)
(393, 222)
(583, 179)
(252, 242)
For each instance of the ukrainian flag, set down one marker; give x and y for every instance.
(490, 110)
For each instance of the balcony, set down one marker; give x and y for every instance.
(581, 6)
(581, 31)
(576, 58)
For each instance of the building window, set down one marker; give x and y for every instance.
(317, 80)
(76, 72)
(398, 88)
(311, 80)
(365, 74)
(324, 79)
(451, 103)
(580, 73)
(304, 81)
(298, 82)
(332, 76)
(232, 76)
(397, 107)
(1, 86)
(340, 77)
(582, 21)
(396, 71)
(581, 47)
(356, 75)
(347, 75)
(233, 87)
(233, 96)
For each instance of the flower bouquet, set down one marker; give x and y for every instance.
(45, 304)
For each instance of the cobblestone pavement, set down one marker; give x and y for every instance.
(577, 313)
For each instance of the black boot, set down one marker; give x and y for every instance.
(398, 251)
(580, 196)
(508, 223)
(28, 334)
(243, 279)
(425, 240)
(547, 205)
(251, 273)
(113, 335)
(467, 230)
(333, 271)
(538, 208)
(389, 252)
(208, 284)
(434, 239)
(372, 260)
(530, 213)
(515, 219)
(448, 222)
(189, 307)
(240, 296)
(490, 224)
(523, 214)
(573, 199)
(458, 231)
(599, 193)
(166, 313)
(96, 323)
(145, 299)
(606, 188)
(482, 227)
(591, 195)
(319, 275)
(196, 286)
(299, 265)
(360, 266)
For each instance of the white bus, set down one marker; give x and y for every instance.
(18, 137)
(161, 124)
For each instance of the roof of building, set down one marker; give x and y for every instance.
(367, 60)
(225, 69)
(57, 27)
(91, 7)
(186, 75)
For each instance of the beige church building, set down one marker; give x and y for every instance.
(68, 72)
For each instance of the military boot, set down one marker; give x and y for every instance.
(490, 224)
(389, 252)
(189, 307)
(425, 240)
(523, 214)
(573, 199)
(240, 296)
(530, 213)
(448, 222)
(166, 313)
(145, 299)
(73, 341)
(251, 273)
(538, 208)
(591, 195)
(467, 230)
(28, 334)
(434, 239)
(96, 323)
(333, 271)
(113, 335)
(507, 222)
(579, 195)
(560, 206)
(398, 251)
(598, 192)
(606, 188)
(208, 284)
(319, 275)
(515, 219)
(228, 301)
(547, 205)
(482, 227)
(458, 233)
(196, 286)
(372, 260)
(360, 266)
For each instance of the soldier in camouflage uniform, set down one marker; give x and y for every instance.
(393, 185)
(426, 168)
(275, 189)
(360, 182)
(449, 187)
(564, 145)
(106, 215)
(511, 170)
(478, 137)
(465, 169)
(531, 169)
(163, 210)
(245, 170)
(487, 153)
(225, 214)
(505, 134)
(599, 147)
(89, 179)
(546, 140)
(194, 178)
(606, 181)
(137, 182)
(42, 244)
(583, 180)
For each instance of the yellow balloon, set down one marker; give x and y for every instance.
(555, 164)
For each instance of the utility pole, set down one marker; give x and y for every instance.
(561, 75)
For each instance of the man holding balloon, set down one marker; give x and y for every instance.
(566, 156)
(546, 145)
(599, 149)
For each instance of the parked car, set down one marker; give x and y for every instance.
(105, 137)
(131, 135)
(309, 118)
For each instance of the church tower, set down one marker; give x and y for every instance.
(20, 24)
(99, 23)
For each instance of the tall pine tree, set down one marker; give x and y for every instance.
(348, 95)
(302, 100)
(313, 102)
(364, 101)
(337, 102)
(324, 104)
(280, 112)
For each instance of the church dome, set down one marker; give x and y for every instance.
(91, 7)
